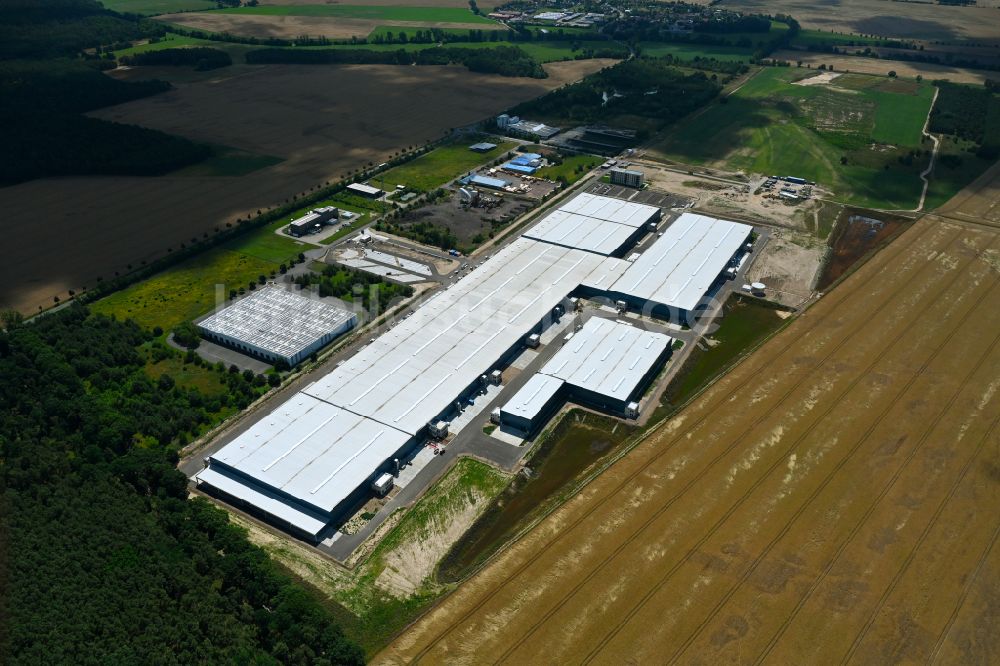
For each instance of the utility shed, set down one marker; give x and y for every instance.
(365, 190)
(482, 147)
(533, 404)
(680, 269)
(607, 363)
(277, 325)
(303, 462)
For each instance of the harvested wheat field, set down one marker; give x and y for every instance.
(911, 20)
(833, 499)
(323, 120)
(292, 27)
(857, 64)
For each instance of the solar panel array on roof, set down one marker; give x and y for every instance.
(680, 268)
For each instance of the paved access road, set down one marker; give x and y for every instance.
(831, 500)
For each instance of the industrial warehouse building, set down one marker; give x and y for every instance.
(365, 190)
(274, 325)
(606, 365)
(305, 465)
(607, 227)
(313, 221)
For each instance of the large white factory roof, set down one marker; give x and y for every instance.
(277, 321)
(311, 450)
(611, 210)
(534, 396)
(412, 373)
(579, 231)
(607, 357)
(681, 266)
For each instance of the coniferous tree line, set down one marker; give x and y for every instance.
(105, 559)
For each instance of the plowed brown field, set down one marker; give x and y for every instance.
(833, 499)
(62, 233)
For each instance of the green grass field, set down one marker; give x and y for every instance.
(169, 41)
(440, 166)
(152, 7)
(569, 168)
(189, 289)
(770, 126)
(383, 13)
(688, 52)
(226, 161)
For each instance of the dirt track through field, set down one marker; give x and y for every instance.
(832, 499)
(63, 233)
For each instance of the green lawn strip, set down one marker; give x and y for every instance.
(439, 166)
(687, 52)
(955, 168)
(899, 118)
(373, 12)
(769, 126)
(169, 41)
(573, 168)
(153, 7)
(185, 291)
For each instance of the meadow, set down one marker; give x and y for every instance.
(440, 166)
(854, 140)
(153, 7)
(688, 52)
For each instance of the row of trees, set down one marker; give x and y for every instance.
(503, 60)
(103, 549)
(200, 57)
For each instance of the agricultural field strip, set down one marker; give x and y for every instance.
(779, 460)
(963, 597)
(927, 529)
(841, 295)
(876, 503)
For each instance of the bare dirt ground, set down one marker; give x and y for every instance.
(929, 71)
(723, 194)
(830, 500)
(290, 27)
(63, 233)
(909, 20)
(788, 266)
(461, 4)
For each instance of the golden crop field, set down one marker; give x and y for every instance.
(831, 500)
(323, 121)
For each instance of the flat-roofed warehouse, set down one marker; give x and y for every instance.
(606, 364)
(674, 277)
(300, 462)
(274, 324)
(413, 373)
(597, 224)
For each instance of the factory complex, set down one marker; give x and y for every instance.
(307, 463)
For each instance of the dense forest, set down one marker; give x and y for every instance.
(104, 558)
(200, 57)
(54, 28)
(968, 112)
(44, 93)
(647, 88)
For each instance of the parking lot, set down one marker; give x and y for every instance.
(651, 197)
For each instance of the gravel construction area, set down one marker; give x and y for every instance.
(832, 499)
